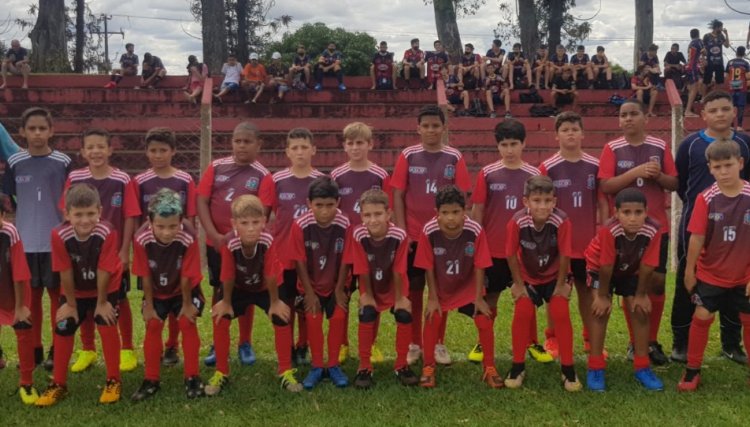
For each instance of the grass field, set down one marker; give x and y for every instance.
(254, 397)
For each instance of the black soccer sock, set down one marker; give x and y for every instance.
(516, 369)
(568, 372)
(690, 373)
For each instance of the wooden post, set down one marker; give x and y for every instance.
(205, 148)
(677, 135)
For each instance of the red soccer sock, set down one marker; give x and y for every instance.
(366, 335)
(302, 338)
(657, 309)
(443, 328)
(245, 323)
(63, 351)
(641, 362)
(283, 341)
(25, 343)
(125, 322)
(597, 362)
(191, 345)
(88, 331)
(549, 333)
(37, 316)
(152, 349)
(403, 337)
(533, 329)
(585, 333)
(628, 322)
(221, 345)
(345, 329)
(560, 313)
(335, 335)
(173, 331)
(697, 341)
(416, 309)
(430, 337)
(377, 329)
(486, 338)
(111, 350)
(315, 338)
(523, 316)
(745, 320)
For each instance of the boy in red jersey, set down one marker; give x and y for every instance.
(251, 275)
(413, 64)
(738, 71)
(453, 251)
(644, 162)
(620, 260)
(161, 146)
(573, 173)
(378, 250)
(121, 209)
(317, 249)
(285, 193)
(420, 170)
(85, 253)
(717, 272)
(166, 258)
(222, 181)
(15, 299)
(539, 248)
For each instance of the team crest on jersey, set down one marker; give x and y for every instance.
(746, 218)
(152, 264)
(339, 245)
(252, 184)
(439, 251)
(469, 249)
(117, 200)
(591, 182)
(449, 172)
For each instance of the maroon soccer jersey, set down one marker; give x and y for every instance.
(383, 65)
(222, 181)
(13, 268)
(117, 193)
(148, 183)
(320, 249)
(413, 57)
(577, 191)
(500, 190)
(249, 272)
(85, 257)
(579, 60)
(353, 183)
(612, 246)
(420, 174)
(381, 260)
(453, 261)
(167, 264)
(559, 60)
(472, 59)
(619, 156)
(539, 251)
(725, 223)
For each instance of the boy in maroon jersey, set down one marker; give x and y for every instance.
(284, 193)
(383, 69)
(539, 248)
(469, 67)
(738, 71)
(620, 260)
(644, 162)
(454, 253)
(496, 91)
(420, 170)
(651, 64)
(251, 275)
(540, 66)
(15, 299)
(644, 89)
(582, 67)
(495, 56)
(317, 249)
(378, 250)
(693, 71)
(717, 272)
(222, 181)
(573, 173)
(435, 60)
(558, 62)
(519, 69)
(85, 253)
(161, 146)
(166, 258)
(413, 64)
(121, 209)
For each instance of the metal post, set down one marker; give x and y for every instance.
(677, 136)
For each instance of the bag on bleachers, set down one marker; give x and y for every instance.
(531, 97)
(477, 109)
(543, 110)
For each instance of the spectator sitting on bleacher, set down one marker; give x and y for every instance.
(413, 64)
(232, 72)
(644, 88)
(382, 70)
(651, 63)
(581, 65)
(519, 70)
(300, 66)
(278, 75)
(558, 62)
(152, 71)
(469, 70)
(329, 64)
(494, 56)
(128, 66)
(253, 78)
(496, 90)
(674, 65)
(600, 65)
(197, 73)
(539, 67)
(454, 89)
(16, 62)
(564, 89)
(435, 60)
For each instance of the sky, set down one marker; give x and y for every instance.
(168, 30)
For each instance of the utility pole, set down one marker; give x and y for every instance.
(106, 34)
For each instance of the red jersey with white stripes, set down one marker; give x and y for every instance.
(577, 191)
(500, 190)
(612, 246)
(725, 223)
(13, 268)
(453, 261)
(420, 174)
(539, 250)
(353, 183)
(619, 156)
(248, 270)
(148, 183)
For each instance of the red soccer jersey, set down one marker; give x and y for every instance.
(725, 223)
(353, 183)
(577, 191)
(611, 246)
(167, 264)
(453, 261)
(222, 181)
(619, 156)
(98, 252)
(249, 272)
(420, 174)
(13, 268)
(500, 190)
(381, 260)
(539, 251)
(413, 57)
(320, 249)
(148, 183)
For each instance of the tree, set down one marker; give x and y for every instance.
(447, 13)
(214, 34)
(644, 28)
(528, 25)
(80, 36)
(49, 43)
(556, 8)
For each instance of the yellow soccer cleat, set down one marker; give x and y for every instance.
(85, 359)
(28, 394)
(476, 354)
(112, 391)
(128, 360)
(376, 356)
(289, 381)
(343, 354)
(216, 384)
(51, 396)
(538, 353)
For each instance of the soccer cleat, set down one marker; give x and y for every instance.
(342, 87)
(363, 380)
(338, 377)
(313, 378)
(515, 382)
(572, 385)
(735, 355)
(376, 356)
(246, 354)
(656, 354)
(194, 387)
(112, 391)
(492, 378)
(170, 357)
(679, 355)
(85, 359)
(299, 357)
(508, 115)
(49, 363)
(538, 353)
(318, 87)
(407, 377)
(110, 85)
(210, 359)
(649, 380)
(552, 347)
(52, 395)
(476, 354)
(595, 380)
(414, 354)
(289, 381)
(343, 354)
(216, 384)
(147, 389)
(128, 360)
(427, 380)
(689, 381)
(28, 394)
(442, 356)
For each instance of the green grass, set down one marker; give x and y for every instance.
(254, 397)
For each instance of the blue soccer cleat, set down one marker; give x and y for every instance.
(649, 380)
(338, 377)
(595, 380)
(246, 354)
(313, 378)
